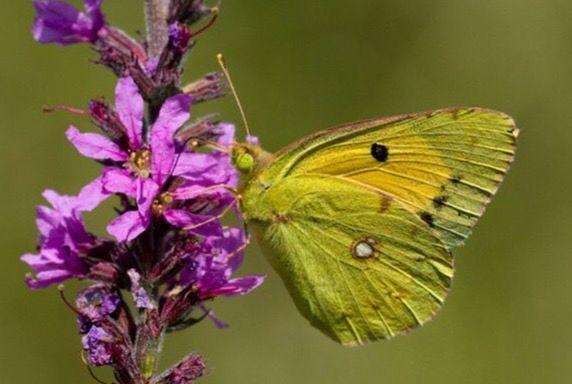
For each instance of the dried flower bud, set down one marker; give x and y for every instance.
(210, 87)
(107, 120)
(186, 371)
(188, 11)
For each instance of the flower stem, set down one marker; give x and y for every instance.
(157, 28)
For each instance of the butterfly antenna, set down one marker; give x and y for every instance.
(224, 68)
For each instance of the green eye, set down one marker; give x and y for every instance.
(245, 162)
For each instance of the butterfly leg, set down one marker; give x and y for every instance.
(211, 219)
(240, 248)
(226, 209)
(185, 194)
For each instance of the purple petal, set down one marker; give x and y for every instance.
(127, 226)
(98, 344)
(225, 133)
(210, 313)
(53, 266)
(58, 22)
(130, 108)
(117, 180)
(232, 241)
(62, 227)
(64, 205)
(48, 222)
(93, 9)
(198, 224)
(147, 191)
(48, 259)
(45, 279)
(91, 195)
(95, 146)
(173, 114)
(207, 169)
(194, 164)
(51, 226)
(238, 286)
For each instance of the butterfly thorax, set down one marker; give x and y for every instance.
(251, 160)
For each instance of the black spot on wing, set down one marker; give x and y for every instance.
(456, 179)
(379, 152)
(428, 218)
(439, 201)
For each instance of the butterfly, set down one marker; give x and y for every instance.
(360, 220)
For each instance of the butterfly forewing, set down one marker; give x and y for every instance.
(443, 165)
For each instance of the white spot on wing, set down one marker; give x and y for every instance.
(363, 249)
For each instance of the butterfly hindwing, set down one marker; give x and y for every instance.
(443, 165)
(359, 265)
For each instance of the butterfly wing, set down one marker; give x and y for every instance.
(359, 220)
(444, 165)
(359, 265)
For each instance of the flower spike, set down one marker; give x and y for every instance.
(173, 183)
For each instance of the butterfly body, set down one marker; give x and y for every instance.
(359, 221)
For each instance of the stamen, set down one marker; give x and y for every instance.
(167, 198)
(215, 12)
(140, 162)
(65, 108)
(66, 302)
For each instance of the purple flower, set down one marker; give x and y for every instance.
(142, 166)
(95, 304)
(102, 320)
(58, 22)
(98, 344)
(211, 271)
(63, 237)
(206, 273)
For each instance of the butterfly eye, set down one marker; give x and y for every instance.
(244, 162)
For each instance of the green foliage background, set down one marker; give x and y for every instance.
(301, 66)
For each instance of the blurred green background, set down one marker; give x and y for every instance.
(301, 66)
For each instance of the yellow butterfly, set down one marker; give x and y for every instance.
(360, 220)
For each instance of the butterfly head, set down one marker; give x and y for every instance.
(248, 157)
